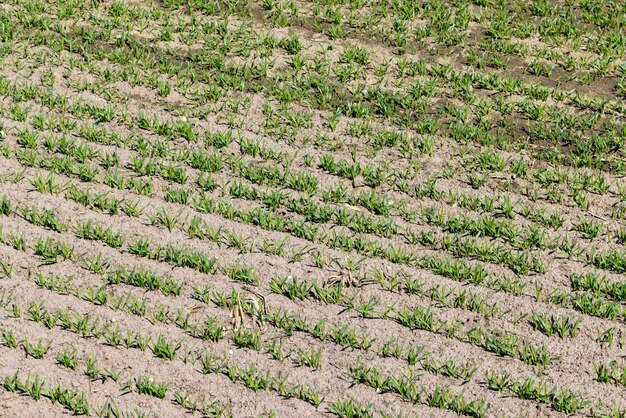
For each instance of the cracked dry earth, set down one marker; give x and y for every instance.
(312, 208)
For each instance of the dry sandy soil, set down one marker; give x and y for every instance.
(282, 209)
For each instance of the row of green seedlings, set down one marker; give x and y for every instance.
(6, 267)
(485, 203)
(182, 195)
(175, 195)
(255, 379)
(610, 337)
(521, 263)
(562, 326)
(72, 400)
(180, 255)
(89, 326)
(465, 299)
(348, 49)
(360, 223)
(419, 356)
(401, 282)
(500, 30)
(36, 351)
(161, 347)
(457, 269)
(535, 237)
(302, 181)
(611, 372)
(100, 297)
(52, 250)
(405, 386)
(245, 274)
(612, 260)
(585, 302)
(555, 195)
(145, 385)
(341, 334)
(488, 161)
(599, 285)
(68, 358)
(558, 399)
(113, 238)
(31, 143)
(185, 400)
(210, 330)
(419, 318)
(177, 256)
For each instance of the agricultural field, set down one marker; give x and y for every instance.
(290, 208)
